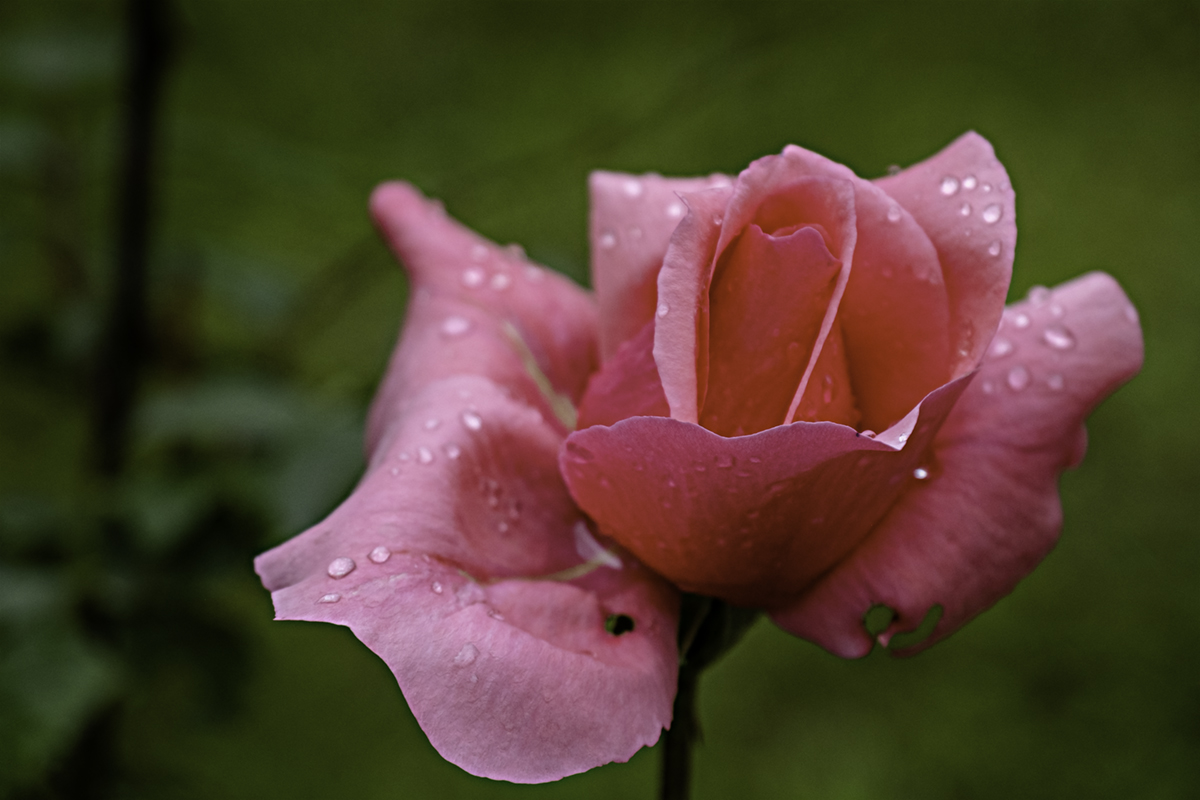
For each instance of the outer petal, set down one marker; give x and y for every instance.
(542, 319)
(975, 249)
(752, 519)
(990, 509)
(632, 218)
(439, 552)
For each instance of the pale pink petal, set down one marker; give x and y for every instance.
(443, 562)
(627, 385)
(631, 221)
(975, 248)
(541, 313)
(751, 519)
(681, 317)
(989, 510)
(768, 299)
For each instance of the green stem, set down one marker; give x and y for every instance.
(675, 779)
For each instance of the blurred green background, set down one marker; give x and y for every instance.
(137, 655)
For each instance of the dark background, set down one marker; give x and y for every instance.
(137, 655)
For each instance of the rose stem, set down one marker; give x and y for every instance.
(676, 777)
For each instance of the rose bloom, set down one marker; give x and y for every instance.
(794, 390)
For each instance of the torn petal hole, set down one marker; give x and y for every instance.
(617, 624)
(881, 622)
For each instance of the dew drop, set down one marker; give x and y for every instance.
(827, 392)
(701, 468)
(472, 421)
(424, 455)
(969, 182)
(949, 185)
(1131, 314)
(535, 273)
(987, 187)
(500, 282)
(1057, 311)
(920, 473)
(663, 310)
(989, 387)
(379, 555)
(1021, 321)
(1018, 378)
(676, 210)
(607, 240)
(894, 214)
(965, 211)
(1038, 295)
(395, 471)
(1058, 337)
(1055, 382)
(466, 656)
(902, 438)
(479, 252)
(455, 326)
(868, 433)
(725, 461)
(992, 213)
(1000, 347)
(993, 249)
(435, 587)
(635, 233)
(473, 277)
(515, 251)
(404, 456)
(432, 423)
(453, 451)
(502, 526)
(894, 169)
(340, 567)
(332, 597)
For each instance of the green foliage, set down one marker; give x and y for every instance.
(131, 625)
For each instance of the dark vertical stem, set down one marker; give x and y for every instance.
(675, 779)
(123, 346)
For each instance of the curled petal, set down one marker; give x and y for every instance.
(457, 560)
(632, 218)
(975, 248)
(989, 509)
(751, 519)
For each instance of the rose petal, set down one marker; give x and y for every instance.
(976, 249)
(832, 395)
(768, 300)
(632, 218)
(751, 519)
(438, 563)
(681, 319)
(627, 385)
(549, 318)
(989, 511)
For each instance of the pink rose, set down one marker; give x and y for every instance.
(746, 337)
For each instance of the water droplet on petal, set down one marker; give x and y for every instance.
(466, 656)
(1055, 382)
(993, 249)
(1038, 295)
(341, 567)
(965, 211)
(718, 220)
(902, 438)
(1058, 337)
(894, 169)
(453, 451)
(632, 187)
(894, 214)
(432, 423)
(868, 433)
(1131, 314)
(969, 182)
(379, 555)
(479, 252)
(502, 526)
(403, 456)
(635, 233)
(676, 210)
(949, 185)
(473, 277)
(1021, 321)
(1000, 347)
(920, 473)
(1057, 311)
(332, 597)
(992, 213)
(395, 471)
(472, 421)
(435, 587)
(424, 455)
(455, 326)
(500, 281)
(663, 310)
(607, 240)
(827, 392)
(535, 273)
(515, 251)
(1018, 378)
(989, 387)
